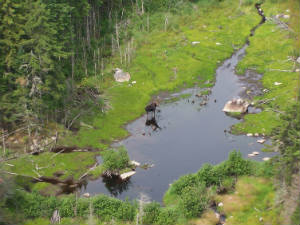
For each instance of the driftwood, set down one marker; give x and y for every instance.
(68, 149)
(86, 173)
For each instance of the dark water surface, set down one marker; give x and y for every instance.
(190, 136)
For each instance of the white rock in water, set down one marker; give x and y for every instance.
(249, 135)
(255, 153)
(266, 158)
(127, 175)
(121, 76)
(261, 141)
(256, 134)
(277, 83)
(220, 204)
(135, 163)
(286, 16)
(86, 195)
(298, 60)
(250, 155)
(195, 42)
(236, 105)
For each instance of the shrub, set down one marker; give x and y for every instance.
(167, 216)
(193, 201)
(227, 185)
(236, 165)
(188, 180)
(107, 208)
(209, 175)
(151, 213)
(115, 159)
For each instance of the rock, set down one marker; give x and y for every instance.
(195, 42)
(250, 155)
(266, 158)
(86, 195)
(135, 163)
(256, 134)
(298, 60)
(277, 83)
(260, 219)
(261, 141)
(236, 105)
(121, 76)
(286, 16)
(220, 204)
(249, 135)
(297, 70)
(125, 176)
(255, 153)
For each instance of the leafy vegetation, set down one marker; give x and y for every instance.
(115, 160)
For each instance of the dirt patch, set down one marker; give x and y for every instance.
(252, 85)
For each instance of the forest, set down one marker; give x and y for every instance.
(67, 123)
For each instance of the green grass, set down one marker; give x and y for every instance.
(157, 54)
(254, 198)
(268, 52)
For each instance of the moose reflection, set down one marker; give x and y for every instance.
(151, 119)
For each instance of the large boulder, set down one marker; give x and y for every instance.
(236, 106)
(121, 76)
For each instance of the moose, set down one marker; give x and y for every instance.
(151, 109)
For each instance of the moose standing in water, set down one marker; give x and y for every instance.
(151, 109)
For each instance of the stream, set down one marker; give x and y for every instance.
(190, 136)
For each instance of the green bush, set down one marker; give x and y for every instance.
(151, 213)
(107, 208)
(210, 175)
(167, 216)
(194, 201)
(236, 165)
(33, 205)
(115, 160)
(227, 185)
(188, 180)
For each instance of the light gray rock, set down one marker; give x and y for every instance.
(261, 141)
(236, 105)
(121, 76)
(125, 176)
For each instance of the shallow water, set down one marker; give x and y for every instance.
(190, 136)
